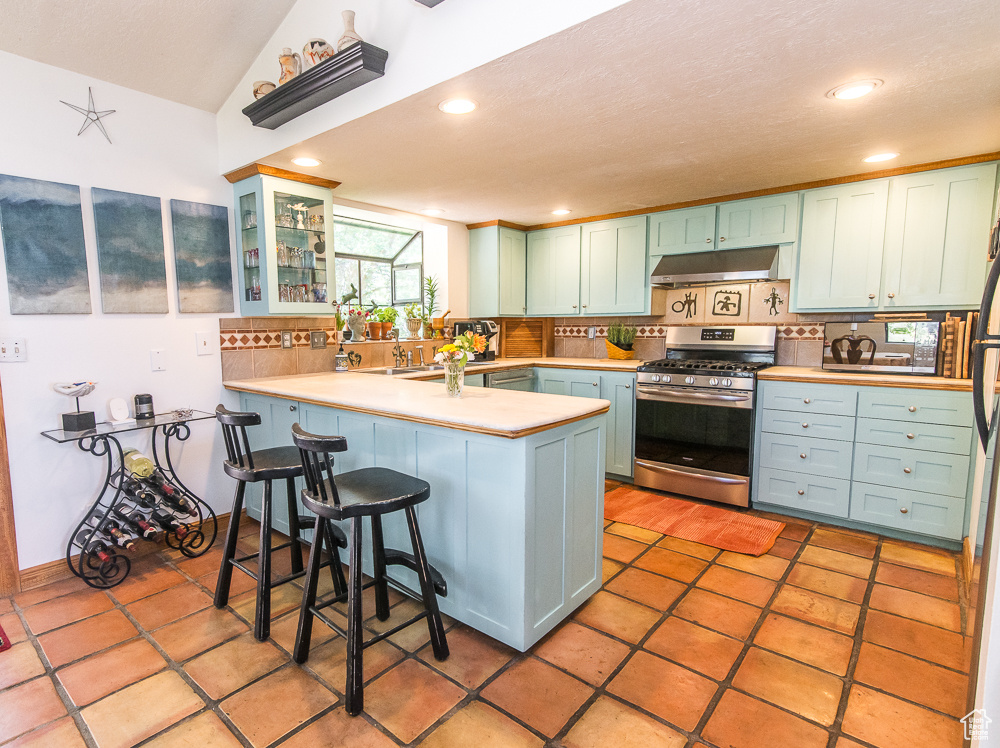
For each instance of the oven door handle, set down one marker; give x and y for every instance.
(653, 393)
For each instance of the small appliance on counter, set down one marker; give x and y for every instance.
(481, 327)
(892, 347)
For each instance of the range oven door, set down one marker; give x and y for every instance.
(694, 442)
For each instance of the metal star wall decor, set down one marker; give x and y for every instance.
(93, 117)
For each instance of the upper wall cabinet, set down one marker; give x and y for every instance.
(613, 267)
(936, 237)
(843, 232)
(497, 272)
(553, 267)
(756, 222)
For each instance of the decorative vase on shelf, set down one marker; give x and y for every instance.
(291, 65)
(413, 326)
(350, 35)
(454, 378)
(357, 327)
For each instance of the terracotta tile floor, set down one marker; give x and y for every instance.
(833, 638)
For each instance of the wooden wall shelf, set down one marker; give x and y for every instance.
(333, 77)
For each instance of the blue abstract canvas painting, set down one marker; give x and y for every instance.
(44, 249)
(202, 257)
(130, 252)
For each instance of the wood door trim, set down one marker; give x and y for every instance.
(10, 580)
(251, 170)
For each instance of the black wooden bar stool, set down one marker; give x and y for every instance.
(266, 465)
(368, 492)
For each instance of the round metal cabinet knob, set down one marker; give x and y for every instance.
(907, 470)
(291, 408)
(871, 296)
(574, 306)
(594, 383)
(892, 296)
(628, 386)
(903, 510)
(807, 401)
(803, 455)
(801, 492)
(911, 436)
(709, 241)
(584, 306)
(912, 409)
(722, 238)
(805, 425)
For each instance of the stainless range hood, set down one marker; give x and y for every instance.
(723, 265)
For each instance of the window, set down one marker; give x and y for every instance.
(379, 263)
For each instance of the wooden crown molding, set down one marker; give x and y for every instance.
(930, 166)
(251, 170)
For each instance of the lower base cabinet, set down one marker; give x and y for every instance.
(893, 459)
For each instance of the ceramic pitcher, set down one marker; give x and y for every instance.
(291, 65)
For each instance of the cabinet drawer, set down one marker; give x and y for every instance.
(803, 397)
(818, 425)
(933, 437)
(810, 493)
(903, 509)
(806, 455)
(911, 469)
(916, 406)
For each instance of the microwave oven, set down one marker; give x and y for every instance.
(904, 347)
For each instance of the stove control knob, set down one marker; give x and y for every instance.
(655, 377)
(666, 379)
(713, 382)
(727, 382)
(688, 380)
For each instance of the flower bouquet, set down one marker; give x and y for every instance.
(455, 356)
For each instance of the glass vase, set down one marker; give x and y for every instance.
(454, 378)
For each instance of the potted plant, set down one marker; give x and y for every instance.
(621, 338)
(374, 323)
(414, 319)
(387, 316)
(430, 294)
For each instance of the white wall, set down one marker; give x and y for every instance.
(426, 47)
(158, 148)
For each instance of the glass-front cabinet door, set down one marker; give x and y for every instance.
(285, 247)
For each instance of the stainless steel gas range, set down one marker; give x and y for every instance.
(694, 412)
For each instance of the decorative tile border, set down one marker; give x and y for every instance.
(577, 331)
(251, 340)
(801, 332)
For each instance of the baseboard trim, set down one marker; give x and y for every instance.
(56, 571)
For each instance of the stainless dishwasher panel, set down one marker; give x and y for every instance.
(512, 379)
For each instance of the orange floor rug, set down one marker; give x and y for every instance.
(710, 525)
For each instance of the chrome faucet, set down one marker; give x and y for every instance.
(397, 352)
(421, 349)
(409, 358)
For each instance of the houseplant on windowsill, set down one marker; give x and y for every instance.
(374, 323)
(621, 338)
(414, 319)
(387, 315)
(455, 356)
(430, 293)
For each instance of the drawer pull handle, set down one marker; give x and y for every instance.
(892, 296)
(291, 408)
(912, 409)
(805, 425)
(911, 436)
(807, 401)
(628, 386)
(803, 455)
(871, 296)
(904, 510)
(907, 470)
(594, 383)
(801, 492)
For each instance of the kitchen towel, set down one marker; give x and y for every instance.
(700, 523)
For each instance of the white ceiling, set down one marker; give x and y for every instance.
(659, 102)
(190, 51)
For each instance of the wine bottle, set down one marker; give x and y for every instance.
(95, 547)
(138, 493)
(120, 538)
(136, 523)
(168, 523)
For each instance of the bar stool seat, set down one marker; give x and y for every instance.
(267, 465)
(354, 495)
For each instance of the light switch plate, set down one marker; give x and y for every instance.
(591, 332)
(286, 339)
(317, 339)
(157, 361)
(13, 349)
(203, 343)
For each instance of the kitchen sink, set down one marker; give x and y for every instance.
(403, 369)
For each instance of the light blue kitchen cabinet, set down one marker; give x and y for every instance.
(471, 380)
(759, 221)
(936, 235)
(840, 252)
(891, 459)
(616, 387)
(675, 232)
(497, 272)
(613, 267)
(553, 272)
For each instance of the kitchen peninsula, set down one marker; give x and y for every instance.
(515, 519)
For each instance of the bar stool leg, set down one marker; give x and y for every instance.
(336, 568)
(434, 625)
(355, 650)
(262, 619)
(381, 586)
(303, 637)
(293, 526)
(232, 535)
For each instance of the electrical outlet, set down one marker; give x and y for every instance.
(317, 339)
(203, 343)
(286, 339)
(158, 360)
(591, 332)
(13, 349)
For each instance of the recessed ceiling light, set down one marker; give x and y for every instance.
(880, 157)
(855, 89)
(304, 161)
(432, 211)
(560, 212)
(457, 106)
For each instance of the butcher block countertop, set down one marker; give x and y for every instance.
(818, 375)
